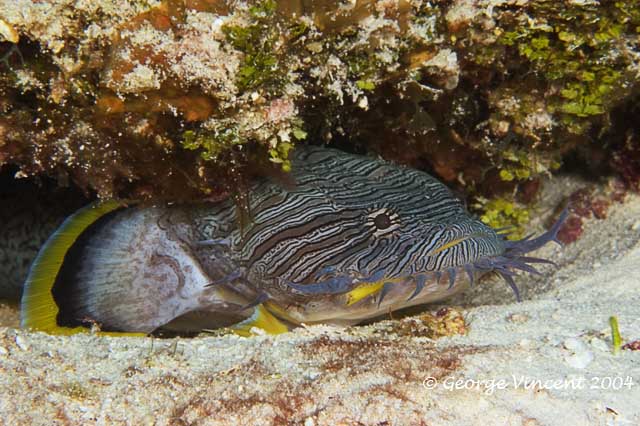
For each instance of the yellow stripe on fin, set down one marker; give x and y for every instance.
(261, 319)
(454, 243)
(279, 312)
(39, 309)
(448, 245)
(362, 291)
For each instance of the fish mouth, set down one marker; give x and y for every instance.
(510, 256)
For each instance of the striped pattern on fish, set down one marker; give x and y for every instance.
(351, 210)
(352, 238)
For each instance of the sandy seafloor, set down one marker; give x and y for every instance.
(367, 375)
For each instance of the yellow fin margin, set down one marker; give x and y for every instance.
(38, 308)
(261, 319)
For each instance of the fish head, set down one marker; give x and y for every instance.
(352, 219)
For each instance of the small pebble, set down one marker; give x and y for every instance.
(525, 343)
(258, 331)
(309, 422)
(315, 47)
(636, 226)
(312, 375)
(518, 318)
(579, 360)
(581, 356)
(600, 344)
(3, 351)
(22, 343)
(574, 344)
(363, 103)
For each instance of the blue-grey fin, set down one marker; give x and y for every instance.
(508, 278)
(262, 297)
(324, 270)
(335, 285)
(420, 281)
(470, 273)
(374, 277)
(527, 244)
(517, 264)
(529, 259)
(226, 279)
(386, 287)
(452, 277)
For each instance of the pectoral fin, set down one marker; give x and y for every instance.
(261, 319)
(363, 290)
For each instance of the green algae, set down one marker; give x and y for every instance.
(576, 49)
(616, 339)
(367, 85)
(520, 164)
(260, 66)
(503, 213)
(211, 143)
(280, 155)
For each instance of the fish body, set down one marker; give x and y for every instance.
(356, 222)
(352, 238)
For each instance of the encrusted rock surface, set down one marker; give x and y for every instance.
(171, 99)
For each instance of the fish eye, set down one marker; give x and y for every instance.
(382, 221)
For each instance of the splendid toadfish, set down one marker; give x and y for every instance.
(352, 239)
